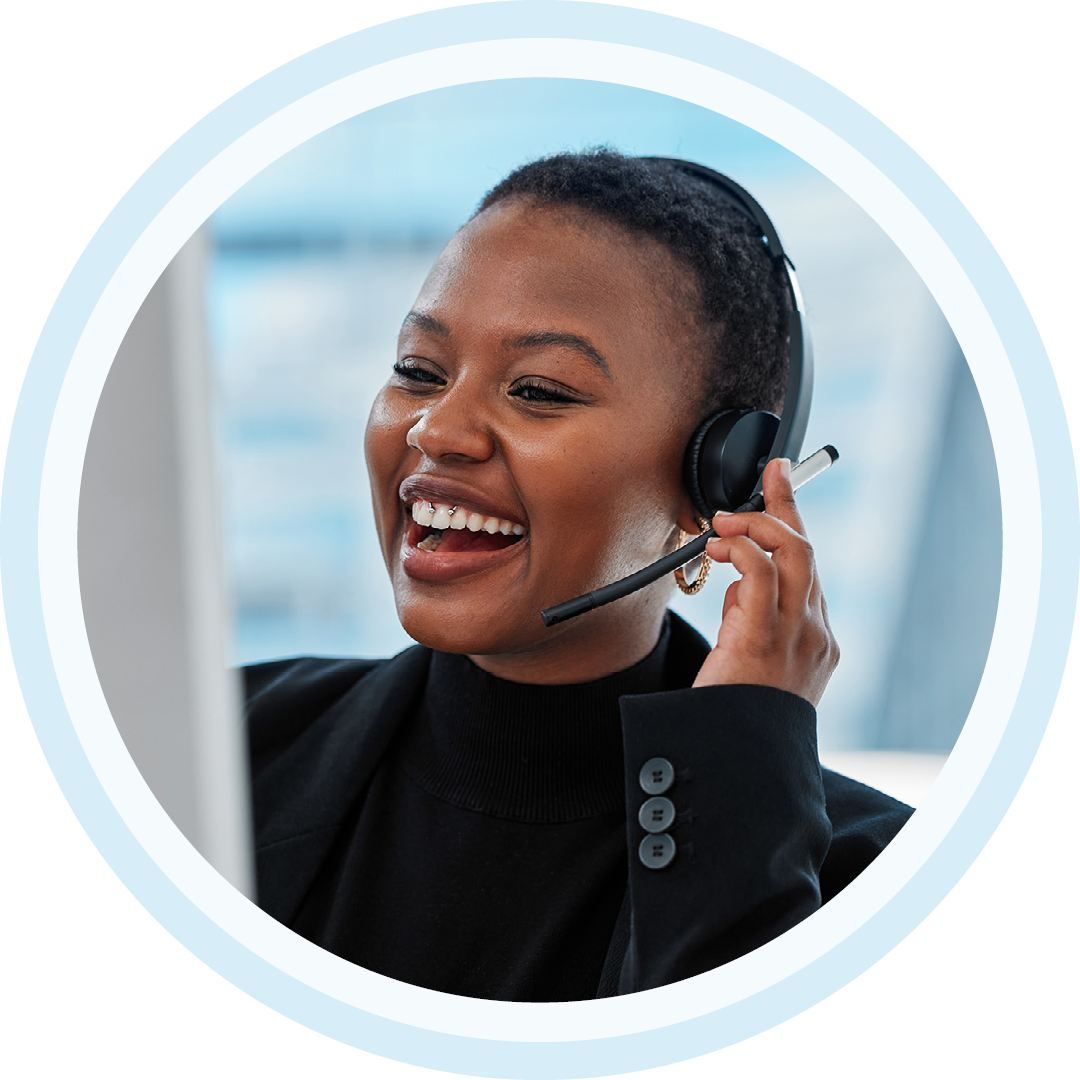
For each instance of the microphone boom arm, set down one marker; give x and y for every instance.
(806, 470)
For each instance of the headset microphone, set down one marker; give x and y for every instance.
(806, 470)
(728, 452)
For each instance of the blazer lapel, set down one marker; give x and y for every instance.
(304, 794)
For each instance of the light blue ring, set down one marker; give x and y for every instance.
(601, 23)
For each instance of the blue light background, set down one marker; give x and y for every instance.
(318, 258)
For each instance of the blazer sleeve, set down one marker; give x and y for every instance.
(741, 859)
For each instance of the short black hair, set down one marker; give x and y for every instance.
(743, 295)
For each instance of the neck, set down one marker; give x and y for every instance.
(587, 648)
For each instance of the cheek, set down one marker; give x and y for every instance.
(384, 438)
(385, 451)
(612, 499)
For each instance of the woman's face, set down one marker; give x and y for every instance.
(528, 446)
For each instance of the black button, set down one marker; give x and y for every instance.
(656, 776)
(656, 851)
(656, 814)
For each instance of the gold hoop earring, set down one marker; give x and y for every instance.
(698, 583)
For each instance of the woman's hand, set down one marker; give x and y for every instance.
(775, 629)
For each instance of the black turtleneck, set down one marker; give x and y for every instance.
(488, 857)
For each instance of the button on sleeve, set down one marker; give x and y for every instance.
(656, 814)
(656, 851)
(656, 776)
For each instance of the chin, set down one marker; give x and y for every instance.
(475, 633)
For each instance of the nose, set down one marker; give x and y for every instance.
(453, 428)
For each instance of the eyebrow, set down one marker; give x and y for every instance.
(425, 322)
(539, 339)
(544, 338)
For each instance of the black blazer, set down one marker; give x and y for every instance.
(764, 836)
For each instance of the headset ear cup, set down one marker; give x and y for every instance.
(692, 459)
(725, 457)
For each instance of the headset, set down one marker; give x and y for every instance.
(729, 450)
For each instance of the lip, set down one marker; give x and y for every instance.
(431, 567)
(440, 489)
(435, 568)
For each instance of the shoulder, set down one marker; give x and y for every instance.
(302, 702)
(284, 697)
(864, 821)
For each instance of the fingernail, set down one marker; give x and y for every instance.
(785, 468)
(722, 513)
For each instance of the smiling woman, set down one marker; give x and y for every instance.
(526, 390)
(514, 811)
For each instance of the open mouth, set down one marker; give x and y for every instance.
(446, 529)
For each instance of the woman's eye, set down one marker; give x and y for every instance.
(417, 375)
(537, 393)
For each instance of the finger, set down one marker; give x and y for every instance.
(779, 494)
(768, 532)
(731, 599)
(791, 552)
(758, 589)
(824, 608)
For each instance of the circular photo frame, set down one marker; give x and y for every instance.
(39, 529)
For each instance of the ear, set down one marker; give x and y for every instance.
(687, 517)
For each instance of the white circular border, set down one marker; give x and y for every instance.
(58, 521)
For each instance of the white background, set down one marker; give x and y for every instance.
(93, 93)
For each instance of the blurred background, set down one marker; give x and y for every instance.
(302, 279)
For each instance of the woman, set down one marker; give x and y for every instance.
(470, 815)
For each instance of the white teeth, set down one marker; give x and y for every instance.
(442, 516)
